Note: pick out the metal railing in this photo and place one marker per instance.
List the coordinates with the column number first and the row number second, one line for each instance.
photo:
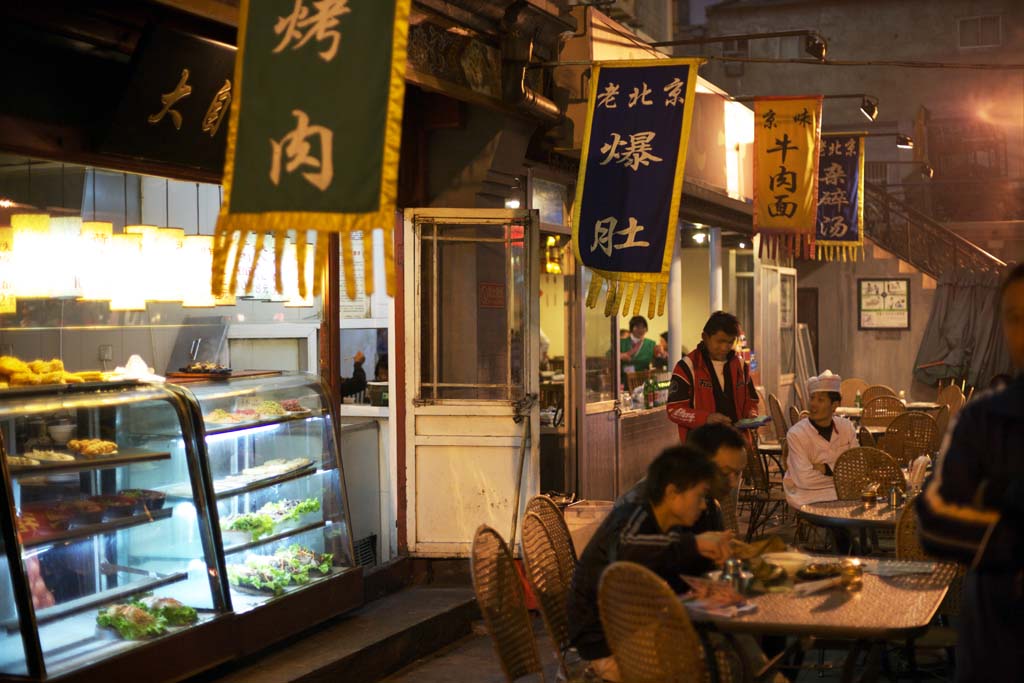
column 919, row 239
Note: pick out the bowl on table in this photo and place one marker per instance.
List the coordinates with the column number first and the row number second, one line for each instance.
column 792, row 562
column 61, row 433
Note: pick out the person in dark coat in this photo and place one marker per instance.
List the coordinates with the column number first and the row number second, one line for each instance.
column 972, row 510
column 655, row 532
column 350, row 386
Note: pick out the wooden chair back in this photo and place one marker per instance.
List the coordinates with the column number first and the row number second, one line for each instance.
column 881, row 411
column 952, row 397
column 499, row 594
column 549, row 585
column 558, row 531
column 849, row 388
column 874, row 391
column 857, row 468
column 911, row 435
column 647, row 627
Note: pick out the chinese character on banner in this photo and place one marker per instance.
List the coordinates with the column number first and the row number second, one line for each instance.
column 313, row 136
column 839, row 235
column 786, row 196
column 631, row 177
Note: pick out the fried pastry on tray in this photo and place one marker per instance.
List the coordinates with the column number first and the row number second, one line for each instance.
column 26, row 378
column 10, row 365
column 91, row 448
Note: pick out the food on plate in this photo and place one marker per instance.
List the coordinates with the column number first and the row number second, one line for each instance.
column 275, row 467
column 131, row 621
column 220, row 416
column 206, row 368
column 246, row 413
column 273, row 573
column 173, row 611
column 301, row 558
column 92, row 448
column 257, row 525
column 819, row 570
column 43, row 367
column 30, row 525
column 116, row 506
column 22, row 379
column 263, row 522
column 50, row 456
column 78, row 511
column 292, row 405
column 15, row 372
column 10, row 365
column 88, row 375
column 269, row 409
column 21, row 461
column 151, row 500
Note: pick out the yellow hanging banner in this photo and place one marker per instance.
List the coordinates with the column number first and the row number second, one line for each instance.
column 786, row 136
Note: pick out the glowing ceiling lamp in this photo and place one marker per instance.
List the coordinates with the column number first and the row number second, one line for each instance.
column 31, row 241
column 126, row 253
column 97, row 277
column 65, row 255
column 196, row 275
column 148, row 279
column 8, row 299
column 170, row 249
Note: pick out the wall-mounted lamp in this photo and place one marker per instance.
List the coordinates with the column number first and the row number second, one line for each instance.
column 814, row 43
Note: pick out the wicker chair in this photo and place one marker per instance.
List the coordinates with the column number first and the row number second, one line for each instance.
column 874, row 391
column 499, row 593
column 549, row 586
column 561, row 539
column 648, row 630
column 778, row 418
column 909, row 436
column 849, row 388
column 794, row 415
column 866, row 439
column 763, row 498
column 636, row 379
column 908, row 547
column 858, row 467
column 952, row 397
column 881, row 411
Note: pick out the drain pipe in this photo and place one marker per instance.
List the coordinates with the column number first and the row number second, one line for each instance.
column 516, row 52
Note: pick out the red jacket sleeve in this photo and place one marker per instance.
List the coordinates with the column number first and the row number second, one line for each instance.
column 751, row 405
column 681, row 409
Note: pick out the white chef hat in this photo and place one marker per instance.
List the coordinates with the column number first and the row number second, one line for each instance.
column 826, row 381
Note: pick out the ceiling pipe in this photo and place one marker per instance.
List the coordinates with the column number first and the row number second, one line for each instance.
column 517, row 40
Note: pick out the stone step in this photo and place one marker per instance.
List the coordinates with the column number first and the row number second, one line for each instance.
column 366, row 645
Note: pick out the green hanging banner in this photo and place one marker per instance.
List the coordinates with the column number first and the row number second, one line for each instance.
column 315, row 128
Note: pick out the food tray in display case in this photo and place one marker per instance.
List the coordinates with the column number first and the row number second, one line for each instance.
column 281, row 512
column 100, row 566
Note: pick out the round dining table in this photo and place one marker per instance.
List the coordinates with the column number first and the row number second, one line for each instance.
column 853, row 515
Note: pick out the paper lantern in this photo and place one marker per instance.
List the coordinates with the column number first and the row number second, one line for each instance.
column 31, row 233
column 170, row 250
column 65, row 253
column 8, row 299
column 94, row 271
column 126, row 257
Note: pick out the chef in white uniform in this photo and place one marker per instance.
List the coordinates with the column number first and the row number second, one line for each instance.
column 816, row 442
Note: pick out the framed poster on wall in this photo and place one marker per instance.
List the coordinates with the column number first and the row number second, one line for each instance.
column 883, row 304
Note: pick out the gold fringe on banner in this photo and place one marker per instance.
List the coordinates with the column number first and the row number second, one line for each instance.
column 623, row 295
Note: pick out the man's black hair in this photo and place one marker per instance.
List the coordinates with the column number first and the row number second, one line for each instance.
column 664, row 335
column 1015, row 274
column 721, row 321
column 637, row 320
column 710, row 437
column 683, row 466
column 835, row 397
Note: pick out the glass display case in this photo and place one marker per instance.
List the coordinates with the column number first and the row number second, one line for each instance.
column 272, row 459
column 99, row 558
column 207, row 519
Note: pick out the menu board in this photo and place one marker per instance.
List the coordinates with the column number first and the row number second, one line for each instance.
column 883, row 304
column 358, row 307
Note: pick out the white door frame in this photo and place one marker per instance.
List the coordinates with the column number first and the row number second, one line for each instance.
column 461, row 454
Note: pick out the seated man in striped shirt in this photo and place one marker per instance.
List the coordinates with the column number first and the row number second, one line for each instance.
column 652, row 531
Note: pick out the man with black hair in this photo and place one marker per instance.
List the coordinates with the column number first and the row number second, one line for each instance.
column 654, row 532
column 711, row 384
column 972, row 511
column 816, row 442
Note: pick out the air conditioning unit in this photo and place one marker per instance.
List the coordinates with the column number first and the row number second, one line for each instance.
column 623, row 11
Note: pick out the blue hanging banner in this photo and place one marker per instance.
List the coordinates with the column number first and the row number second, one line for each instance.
column 631, row 178
column 839, row 235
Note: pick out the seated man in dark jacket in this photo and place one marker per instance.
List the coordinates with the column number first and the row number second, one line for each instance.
column 972, row 510
column 653, row 532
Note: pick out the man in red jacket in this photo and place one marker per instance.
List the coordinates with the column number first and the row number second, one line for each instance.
column 711, row 384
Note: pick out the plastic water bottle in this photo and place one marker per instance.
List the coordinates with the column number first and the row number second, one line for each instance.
column 857, row 400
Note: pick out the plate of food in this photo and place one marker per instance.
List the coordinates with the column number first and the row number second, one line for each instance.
column 50, row 456
column 147, row 499
column 21, row 461
column 819, row 570
column 214, row 370
column 752, row 422
column 293, row 407
column 220, row 416
column 92, row 448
